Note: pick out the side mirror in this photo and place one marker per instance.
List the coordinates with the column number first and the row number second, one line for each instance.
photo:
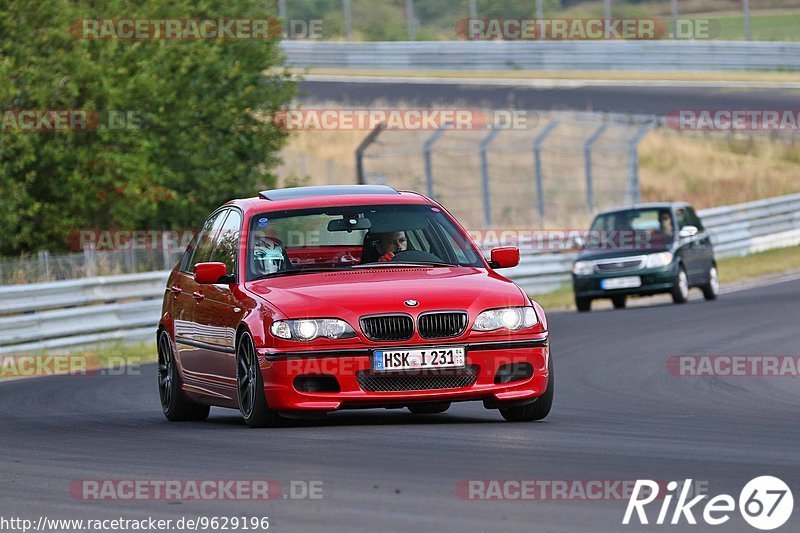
column 579, row 242
column 210, row 273
column 687, row 231
column 505, row 257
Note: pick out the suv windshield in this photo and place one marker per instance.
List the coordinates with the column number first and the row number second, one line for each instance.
column 346, row 237
column 644, row 228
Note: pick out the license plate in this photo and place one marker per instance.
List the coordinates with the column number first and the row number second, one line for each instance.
column 444, row 357
column 627, row 282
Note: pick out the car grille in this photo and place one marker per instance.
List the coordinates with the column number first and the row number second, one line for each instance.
column 388, row 327
column 619, row 265
column 446, row 378
column 441, row 325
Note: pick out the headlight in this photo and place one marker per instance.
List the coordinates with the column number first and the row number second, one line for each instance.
column 310, row 329
column 658, row 260
column 583, row 268
column 510, row 318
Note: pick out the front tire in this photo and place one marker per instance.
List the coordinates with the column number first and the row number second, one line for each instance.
column 537, row 410
column 584, row 305
column 711, row 289
column 680, row 290
column 175, row 406
column 250, row 386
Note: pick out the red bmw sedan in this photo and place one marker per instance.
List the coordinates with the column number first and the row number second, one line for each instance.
column 315, row 299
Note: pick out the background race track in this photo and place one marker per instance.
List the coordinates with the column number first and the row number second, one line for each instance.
column 616, row 97
column 618, row 415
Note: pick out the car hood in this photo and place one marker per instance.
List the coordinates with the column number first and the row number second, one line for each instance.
column 354, row 293
column 589, row 254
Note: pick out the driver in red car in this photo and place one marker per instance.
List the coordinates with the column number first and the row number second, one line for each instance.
column 388, row 244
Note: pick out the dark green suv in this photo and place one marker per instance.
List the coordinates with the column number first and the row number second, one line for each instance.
column 642, row 250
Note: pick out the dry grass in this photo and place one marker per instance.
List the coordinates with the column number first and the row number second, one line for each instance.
column 708, row 172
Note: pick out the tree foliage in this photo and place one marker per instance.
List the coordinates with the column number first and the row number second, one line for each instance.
column 199, row 136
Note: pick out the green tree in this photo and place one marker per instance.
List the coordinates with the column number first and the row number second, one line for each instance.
column 198, row 138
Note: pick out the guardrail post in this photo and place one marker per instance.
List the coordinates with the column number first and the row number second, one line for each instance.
column 369, row 139
column 427, row 149
column 632, row 192
column 348, row 19
column 487, row 198
column 587, row 161
column 537, row 163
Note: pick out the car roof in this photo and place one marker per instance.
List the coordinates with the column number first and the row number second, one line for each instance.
column 649, row 205
column 327, row 196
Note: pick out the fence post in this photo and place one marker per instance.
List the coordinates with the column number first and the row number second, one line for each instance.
column 369, row 139
column 487, row 198
column 348, row 19
column 587, row 161
column 674, row 9
column 412, row 30
column 537, row 162
column 748, row 33
column 632, row 192
column 427, row 149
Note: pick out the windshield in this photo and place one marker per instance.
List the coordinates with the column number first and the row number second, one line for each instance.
column 348, row 237
column 645, row 228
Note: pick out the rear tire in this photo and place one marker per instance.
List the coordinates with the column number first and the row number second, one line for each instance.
column 619, row 301
column 584, row 305
column 429, row 408
column 250, row 386
column 711, row 289
column 680, row 290
column 537, row 410
column 174, row 404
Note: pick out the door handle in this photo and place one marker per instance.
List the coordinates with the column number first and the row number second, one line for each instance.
column 176, row 290
column 197, row 295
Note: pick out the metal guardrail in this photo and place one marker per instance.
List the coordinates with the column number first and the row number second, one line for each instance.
column 46, row 316
column 545, row 55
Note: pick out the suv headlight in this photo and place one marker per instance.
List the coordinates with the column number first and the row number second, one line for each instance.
column 658, row 260
column 310, row 329
column 510, row 318
column 583, row 268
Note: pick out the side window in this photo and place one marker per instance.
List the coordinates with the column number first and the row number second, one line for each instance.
column 683, row 218
column 226, row 244
column 187, row 265
column 207, row 238
column 694, row 220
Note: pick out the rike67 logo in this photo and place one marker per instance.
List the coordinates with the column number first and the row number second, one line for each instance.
column 765, row 503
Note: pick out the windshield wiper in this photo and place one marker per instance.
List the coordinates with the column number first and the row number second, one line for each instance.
column 402, row 264
column 295, row 271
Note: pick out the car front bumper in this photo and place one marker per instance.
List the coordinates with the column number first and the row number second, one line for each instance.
column 482, row 359
column 654, row 281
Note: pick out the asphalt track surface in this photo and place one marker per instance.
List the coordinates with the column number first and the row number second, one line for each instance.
column 618, row 415
column 657, row 100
